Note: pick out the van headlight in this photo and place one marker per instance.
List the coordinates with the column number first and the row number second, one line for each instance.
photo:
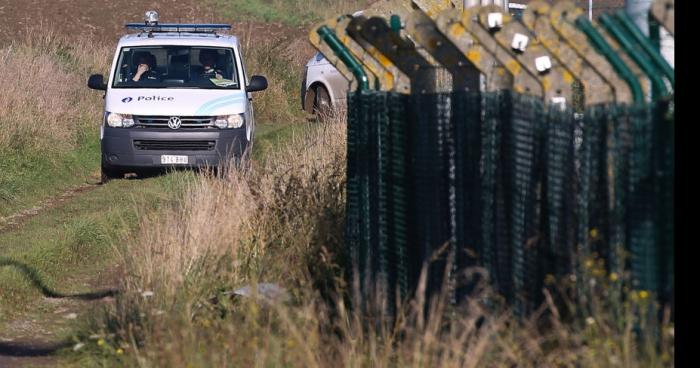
column 230, row 121
column 115, row 120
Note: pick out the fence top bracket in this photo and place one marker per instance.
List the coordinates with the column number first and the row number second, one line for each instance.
column 382, row 77
column 497, row 76
column 562, row 18
column 613, row 54
column 556, row 79
column 596, row 89
column 424, row 31
column 633, row 53
column 663, row 12
column 400, row 51
column 523, row 80
column 333, row 24
column 644, row 46
column 328, row 53
column 401, row 81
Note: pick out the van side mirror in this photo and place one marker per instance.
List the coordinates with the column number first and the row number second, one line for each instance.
column 96, row 81
column 257, row 83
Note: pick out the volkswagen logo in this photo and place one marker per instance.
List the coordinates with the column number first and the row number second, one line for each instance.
column 174, row 122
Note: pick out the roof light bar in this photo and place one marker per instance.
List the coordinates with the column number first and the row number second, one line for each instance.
column 151, row 25
column 177, row 27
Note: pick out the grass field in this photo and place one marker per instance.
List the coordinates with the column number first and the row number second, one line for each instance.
column 50, row 121
column 69, row 244
column 49, row 143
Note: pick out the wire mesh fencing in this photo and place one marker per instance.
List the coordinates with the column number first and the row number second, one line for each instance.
column 447, row 181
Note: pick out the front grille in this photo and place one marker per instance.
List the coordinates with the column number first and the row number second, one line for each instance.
column 154, row 145
column 188, row 122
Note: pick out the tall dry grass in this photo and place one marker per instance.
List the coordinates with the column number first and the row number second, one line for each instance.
column 281, row 59
column 45, row 104
column 283, row 223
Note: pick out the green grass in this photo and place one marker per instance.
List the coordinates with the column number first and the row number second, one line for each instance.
column 71, row 246
column 269, row 137
column 27, row 177
column 74, row 241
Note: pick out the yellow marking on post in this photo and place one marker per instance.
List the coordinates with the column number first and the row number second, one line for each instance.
column 513, row 67
column 546, row 83
column 501, row 72
column 384, row 61
column 389, row 78
column 474, row 56
column 457, row 31
column 568, row 78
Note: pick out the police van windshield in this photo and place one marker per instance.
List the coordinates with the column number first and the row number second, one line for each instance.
column 176, row 67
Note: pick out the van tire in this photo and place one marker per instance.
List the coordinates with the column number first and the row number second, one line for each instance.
column 322, row 105
column 109, row 174
column 310, row 100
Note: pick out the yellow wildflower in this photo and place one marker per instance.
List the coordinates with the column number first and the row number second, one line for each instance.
column 643, row 294
column 120, row 351
column 100, row 342
column 614, row 277
column 594, row 233
column 549, row 279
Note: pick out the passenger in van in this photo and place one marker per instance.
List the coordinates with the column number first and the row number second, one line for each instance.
column 146, row 67
column 208, row 60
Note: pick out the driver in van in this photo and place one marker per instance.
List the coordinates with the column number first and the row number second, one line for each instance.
column 146, row 67
column 208, row 60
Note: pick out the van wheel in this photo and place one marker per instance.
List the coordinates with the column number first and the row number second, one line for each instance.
column 109, row 174
column 322, row 105
column 310, row 100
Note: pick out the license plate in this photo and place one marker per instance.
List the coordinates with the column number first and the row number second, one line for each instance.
column 177, row 160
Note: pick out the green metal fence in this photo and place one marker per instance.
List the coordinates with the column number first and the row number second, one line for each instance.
column 440, row 182
column 498, row 180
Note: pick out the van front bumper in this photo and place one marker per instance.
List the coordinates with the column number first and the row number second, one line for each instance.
column 139, row 148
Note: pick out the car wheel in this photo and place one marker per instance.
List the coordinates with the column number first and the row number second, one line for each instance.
column 108, row 174
column 310, row 100
column 322, row 107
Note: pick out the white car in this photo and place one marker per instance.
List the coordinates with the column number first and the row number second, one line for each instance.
column 323, row 87
column 178, row 95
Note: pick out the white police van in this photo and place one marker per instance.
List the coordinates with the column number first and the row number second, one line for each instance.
column 177, row 96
